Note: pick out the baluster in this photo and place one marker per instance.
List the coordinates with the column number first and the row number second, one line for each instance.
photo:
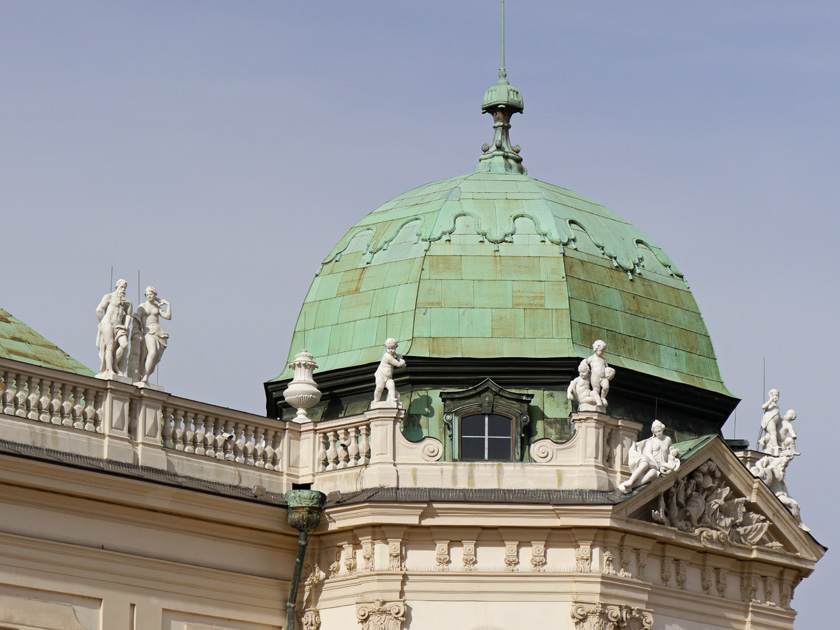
column 228, row 441
column 9, row 392
column 259, row 447
column 353, row 448
column 98, row 412
column 66, row 405
column 78, row 419
column 44, row 401
column 20, row 396
column 56, row 395
column 249, row 445
column 166, row 428
column 364, row 445
column 323, row 443
column 210, row 437
column 189, row 432
column 178, row 430
column 198, row 440
column 343, row 456
column 89, row 411
column 239, row 444
column 332, row 452
column 276, row 450
column 32, row 399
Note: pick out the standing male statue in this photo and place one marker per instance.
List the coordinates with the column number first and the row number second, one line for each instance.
column 114, row 314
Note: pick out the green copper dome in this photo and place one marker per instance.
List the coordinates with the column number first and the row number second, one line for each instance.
column 503, row 265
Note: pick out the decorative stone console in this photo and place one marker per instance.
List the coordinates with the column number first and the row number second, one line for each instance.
column 596, row 455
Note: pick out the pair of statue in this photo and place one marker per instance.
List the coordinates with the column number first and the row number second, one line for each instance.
column 776, row 435
column 589, row 390
column 148, row 338
column 777, row 438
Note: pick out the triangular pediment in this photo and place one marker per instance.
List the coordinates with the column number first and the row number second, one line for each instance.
column 714, row 501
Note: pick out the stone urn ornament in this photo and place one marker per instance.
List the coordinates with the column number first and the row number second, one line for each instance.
column 302, row 393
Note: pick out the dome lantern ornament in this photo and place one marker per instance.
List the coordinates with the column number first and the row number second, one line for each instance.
column 501, row 101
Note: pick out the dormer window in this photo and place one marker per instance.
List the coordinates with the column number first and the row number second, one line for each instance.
column 486, row 437
column 485, row 423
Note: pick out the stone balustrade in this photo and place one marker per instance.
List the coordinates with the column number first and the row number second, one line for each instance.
column 221, row 433
column 343, row 444
column 51, row 396
column 118, row 421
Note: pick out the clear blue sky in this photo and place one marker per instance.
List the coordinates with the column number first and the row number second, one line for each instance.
column 222, row 148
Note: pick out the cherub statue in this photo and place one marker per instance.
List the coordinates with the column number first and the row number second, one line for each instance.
column 114, row 314
column 650, row 458
column 579, row 390
column 786, row 433
column 769, row 435
column 600, row 373
column 385, row 373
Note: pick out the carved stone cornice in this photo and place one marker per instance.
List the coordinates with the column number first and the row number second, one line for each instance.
column 600, row 616
column 380, row 615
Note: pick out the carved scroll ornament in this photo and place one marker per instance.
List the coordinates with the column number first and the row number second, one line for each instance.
column 380, row 615
column 600, row 616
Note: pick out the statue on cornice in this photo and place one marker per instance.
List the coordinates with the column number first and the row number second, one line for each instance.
column 154, row 337
column 650, row 459
column 589, row 390
column 114, row 314
column 771, row 470
column 776, row 436
column 385, row 376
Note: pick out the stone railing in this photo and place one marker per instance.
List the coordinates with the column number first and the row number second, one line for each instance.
column 51, row 396
column 117, row 421
column 221, row 433
column 342, row 444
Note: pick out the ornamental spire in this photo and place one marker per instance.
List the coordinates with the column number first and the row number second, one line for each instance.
column 501, row 101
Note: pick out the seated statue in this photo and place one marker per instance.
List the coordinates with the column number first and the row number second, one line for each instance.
column 650, row 458
column 771, row 470
column 579, row 390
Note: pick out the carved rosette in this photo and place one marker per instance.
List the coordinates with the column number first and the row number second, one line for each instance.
column 368, row 555
column 512, row 556
column 380, row 615
column 395, row 556
column 599, row 616
column 538, row 557
column 442, row 559
column 583, row 559
column 469, row 556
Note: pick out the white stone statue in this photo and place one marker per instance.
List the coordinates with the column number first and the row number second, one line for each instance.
column 590, row 389
column 154, row 337
column 114, row 314
column 771, row 470
column 385, row 376
column 776, row 435
column 650, row 458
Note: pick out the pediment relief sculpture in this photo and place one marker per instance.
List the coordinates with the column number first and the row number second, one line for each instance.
column 703, row 503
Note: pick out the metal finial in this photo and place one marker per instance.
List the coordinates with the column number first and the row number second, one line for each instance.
column 502, row 72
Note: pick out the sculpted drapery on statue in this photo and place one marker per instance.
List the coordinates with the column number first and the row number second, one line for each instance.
column 590, row 389
column 650, row 458
column 114, row 314
column 777, row 438
column 151, row 336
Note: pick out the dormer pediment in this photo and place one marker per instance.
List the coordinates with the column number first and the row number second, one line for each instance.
column 713, row 501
